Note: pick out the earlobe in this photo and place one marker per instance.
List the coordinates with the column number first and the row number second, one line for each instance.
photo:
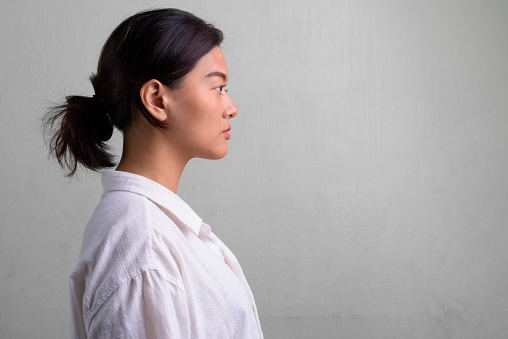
column 152, row 95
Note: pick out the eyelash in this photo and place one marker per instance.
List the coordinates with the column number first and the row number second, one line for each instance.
column 220, row 88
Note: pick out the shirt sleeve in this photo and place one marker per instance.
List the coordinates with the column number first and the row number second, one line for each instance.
column 147, row 306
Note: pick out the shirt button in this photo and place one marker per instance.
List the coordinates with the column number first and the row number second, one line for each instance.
column 205, row 229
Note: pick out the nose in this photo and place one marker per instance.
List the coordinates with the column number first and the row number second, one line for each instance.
column 230, row 111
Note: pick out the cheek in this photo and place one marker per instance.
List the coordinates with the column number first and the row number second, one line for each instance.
column 203, row 122
column 208, row 116
column 200, row 114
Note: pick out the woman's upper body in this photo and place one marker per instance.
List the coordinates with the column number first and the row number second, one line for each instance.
column 150, row 268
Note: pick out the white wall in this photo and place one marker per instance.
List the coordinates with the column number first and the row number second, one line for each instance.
column 366, row 188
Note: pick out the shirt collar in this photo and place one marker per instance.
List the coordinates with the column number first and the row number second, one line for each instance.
column 129, row 182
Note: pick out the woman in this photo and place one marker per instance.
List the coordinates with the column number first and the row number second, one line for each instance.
column 149, row 267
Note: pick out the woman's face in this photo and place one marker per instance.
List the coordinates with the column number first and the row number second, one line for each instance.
column 202, row 109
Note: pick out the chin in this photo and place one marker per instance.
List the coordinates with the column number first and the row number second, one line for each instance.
column 219, row 156
column 216, row 154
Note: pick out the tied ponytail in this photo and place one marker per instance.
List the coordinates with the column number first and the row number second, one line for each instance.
column 78, row 131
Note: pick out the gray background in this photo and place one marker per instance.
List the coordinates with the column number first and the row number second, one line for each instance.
column 366, row 188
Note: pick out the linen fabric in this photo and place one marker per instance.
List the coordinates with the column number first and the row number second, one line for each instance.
column 150, row 268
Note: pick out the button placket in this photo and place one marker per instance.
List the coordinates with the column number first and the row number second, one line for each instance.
column 206, row 231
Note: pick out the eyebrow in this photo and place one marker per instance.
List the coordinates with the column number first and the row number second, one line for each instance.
column 217, row 74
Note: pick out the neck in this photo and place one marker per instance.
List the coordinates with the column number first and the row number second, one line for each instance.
column 146, row 154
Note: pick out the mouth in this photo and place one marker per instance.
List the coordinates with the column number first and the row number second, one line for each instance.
column 226, row 132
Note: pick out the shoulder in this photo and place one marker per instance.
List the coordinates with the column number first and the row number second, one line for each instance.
column 122, row 230
column 120, row 219
column 116, row 241
column 119, row 246
column 128, row 234
column 120, row 207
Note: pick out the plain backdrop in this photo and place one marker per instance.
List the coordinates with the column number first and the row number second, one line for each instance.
column 365, row 192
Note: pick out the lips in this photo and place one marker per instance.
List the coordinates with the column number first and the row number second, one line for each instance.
column 226, row 132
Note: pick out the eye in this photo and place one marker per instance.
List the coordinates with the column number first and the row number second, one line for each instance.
column 221, row 89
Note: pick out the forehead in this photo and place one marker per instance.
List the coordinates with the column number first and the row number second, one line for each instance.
column 211, row 65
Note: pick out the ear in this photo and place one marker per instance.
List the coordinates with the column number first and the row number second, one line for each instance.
column 154, row 97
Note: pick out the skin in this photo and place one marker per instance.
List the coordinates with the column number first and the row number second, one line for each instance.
column 197, row 114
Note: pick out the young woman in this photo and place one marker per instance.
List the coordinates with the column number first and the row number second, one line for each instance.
column 149, row 267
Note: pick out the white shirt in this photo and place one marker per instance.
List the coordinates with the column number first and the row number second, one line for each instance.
column 150, row 268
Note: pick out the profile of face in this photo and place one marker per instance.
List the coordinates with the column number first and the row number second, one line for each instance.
column 199, row 109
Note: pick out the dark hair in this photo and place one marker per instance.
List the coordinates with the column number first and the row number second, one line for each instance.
column 163, row 44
